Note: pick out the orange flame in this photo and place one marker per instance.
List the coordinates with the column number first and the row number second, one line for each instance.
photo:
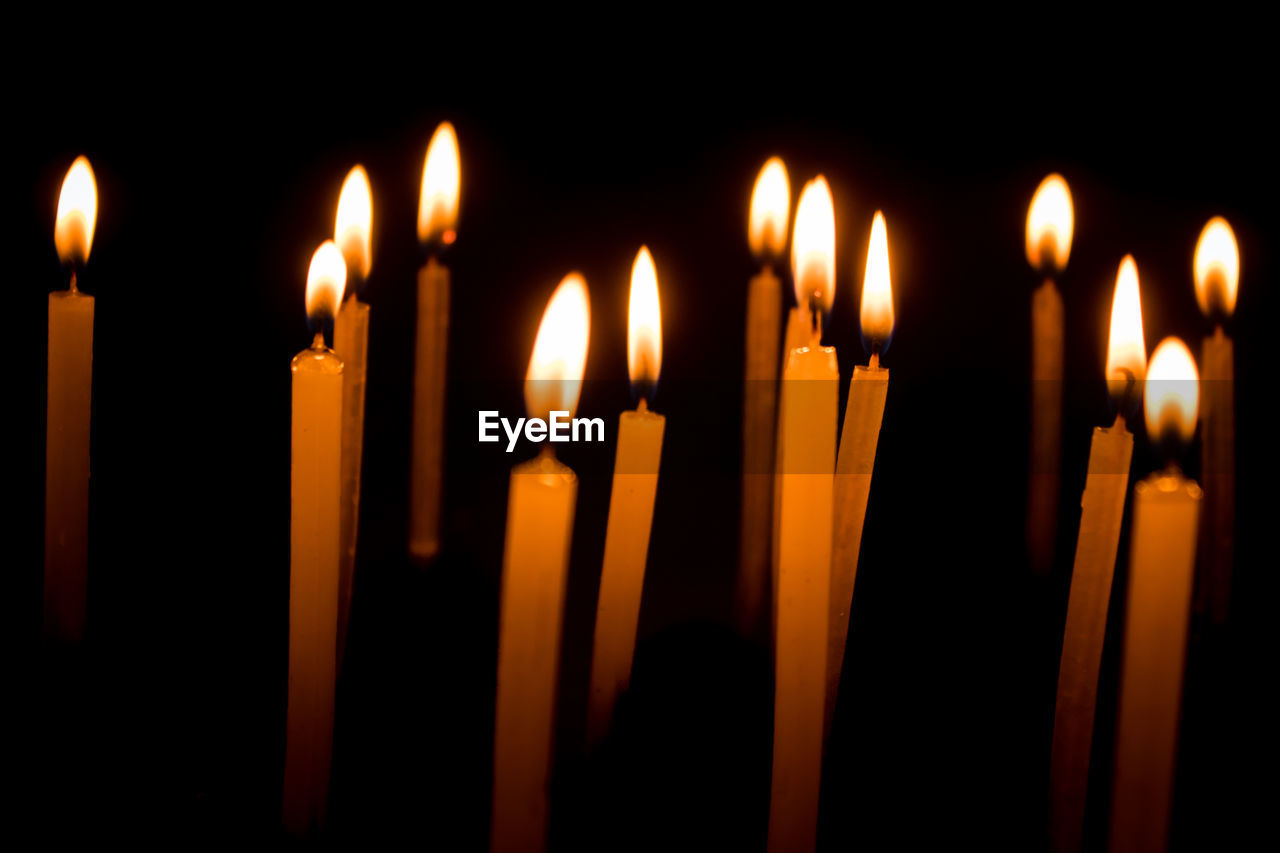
column 77, row 213
column 1050, row 223
column 554, row 379
column 1217, row 268
column 326, row 279
column 813, row 246
column 644, row 324
column 1126, row 346
column 877, row 294
column 351, row 228
column 441, row 175
column 770, row 204
column 1172, row 395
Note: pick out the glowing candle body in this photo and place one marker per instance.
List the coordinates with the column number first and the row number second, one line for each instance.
column 313, row 584
column 428, row 409
column 1046, row 423
column 759, row 421
column 351, row 343
column 1102, row 512
column 806, row 495
column 66, row 525
column 1157, row 613
column 1217, row 472
column 855, row 463
column 797, row 334
column 535, row 565
column 626, row 547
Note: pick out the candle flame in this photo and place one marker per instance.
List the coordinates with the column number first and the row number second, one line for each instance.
column 1217, row 268
column 77, row 213
column 877, row 294
column 1172, row 393
column 813, row 246
column 644, row 326
column 326, row 279
column 351, row 229
column 1050, row 222
column 1126, row 346
column 438, row 205
column 770, row 204
column 554, row 379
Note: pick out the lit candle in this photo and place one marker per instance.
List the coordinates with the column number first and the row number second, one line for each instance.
column 767, row 235
column 1157, row 613
column 313, row 553
column 635, row 483
column 351, row 232
column 857, row 458
column 1102, row 510
column 806, row 484
column 437, row 217
column 70, row 381
column 535, row 562
column 1217, row 276
column 1050, row 221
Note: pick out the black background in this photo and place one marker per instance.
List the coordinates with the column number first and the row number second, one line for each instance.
column 219, row 162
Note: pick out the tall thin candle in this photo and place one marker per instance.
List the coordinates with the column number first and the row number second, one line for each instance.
column 70, row 382
column 635, row 485
column 1217, row 277
column 315, row 512
column 1102, row 511
column 437, row 218
column 868, row 390
column 806, row 493
column 1157, row 613
column 767, row 236
column 535, row 563
column 352, row 229
column 1050, row 222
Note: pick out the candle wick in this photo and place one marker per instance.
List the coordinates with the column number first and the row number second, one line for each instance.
column 318, row 341
column 874, row 362
column 73, row 287
column 642, row 406
column 1130, row 386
